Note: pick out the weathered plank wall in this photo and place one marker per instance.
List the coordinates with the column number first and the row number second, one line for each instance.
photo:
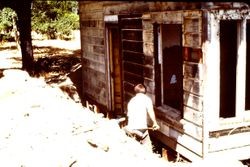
column 182, row 131
column 93, row 52
column 138, row 58
column 186, row 134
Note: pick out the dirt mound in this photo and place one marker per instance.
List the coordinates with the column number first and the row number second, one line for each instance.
column 42, row 126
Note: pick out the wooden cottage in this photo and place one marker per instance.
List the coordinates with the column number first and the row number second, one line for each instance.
column 194, row 59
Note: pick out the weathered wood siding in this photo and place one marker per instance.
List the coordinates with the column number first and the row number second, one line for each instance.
column 93, row 52
column 187, row 132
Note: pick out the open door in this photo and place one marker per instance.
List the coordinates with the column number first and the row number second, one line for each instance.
column 114, row 64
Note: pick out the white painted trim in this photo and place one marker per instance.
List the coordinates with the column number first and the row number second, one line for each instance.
column 241, row 69
column 111, row 19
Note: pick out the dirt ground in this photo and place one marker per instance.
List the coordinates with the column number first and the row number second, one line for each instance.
column 43, row 122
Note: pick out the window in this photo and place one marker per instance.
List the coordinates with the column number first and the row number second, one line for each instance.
column 170, row 60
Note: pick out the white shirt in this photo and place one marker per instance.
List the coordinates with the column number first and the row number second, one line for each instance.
column 138, row 107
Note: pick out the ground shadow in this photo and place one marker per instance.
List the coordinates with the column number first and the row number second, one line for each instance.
column 55, row 65
column 2, row 48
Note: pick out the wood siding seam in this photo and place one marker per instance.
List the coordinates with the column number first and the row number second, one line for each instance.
column 132, row 41
column 192, row 93
column 94, row 58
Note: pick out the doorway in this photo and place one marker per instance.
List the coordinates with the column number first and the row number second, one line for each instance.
column 114, row 71
column 228, row 57
column 172, row 65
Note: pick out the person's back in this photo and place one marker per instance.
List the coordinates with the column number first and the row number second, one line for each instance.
column 137, row 111
column 139, row 108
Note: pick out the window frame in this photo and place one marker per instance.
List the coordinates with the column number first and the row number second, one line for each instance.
column 242, row 116
column 161, row 104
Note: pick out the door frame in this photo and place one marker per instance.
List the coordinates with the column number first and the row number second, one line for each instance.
column 111, row 24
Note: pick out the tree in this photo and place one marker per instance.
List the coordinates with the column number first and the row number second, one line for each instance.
column 7, row 19
column 55, row 18
column 50, row 17
column 23, row 10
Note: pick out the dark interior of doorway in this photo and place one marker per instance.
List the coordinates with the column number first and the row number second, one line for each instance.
column 172, row 67
column 228, row 58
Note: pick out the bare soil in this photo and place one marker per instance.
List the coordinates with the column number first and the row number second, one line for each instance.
column 43, row 122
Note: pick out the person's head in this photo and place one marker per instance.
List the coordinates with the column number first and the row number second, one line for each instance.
column 140, row 88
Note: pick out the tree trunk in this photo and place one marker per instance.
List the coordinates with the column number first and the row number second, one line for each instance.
column 23, row 11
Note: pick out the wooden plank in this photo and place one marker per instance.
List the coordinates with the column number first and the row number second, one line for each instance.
column 193, row 70
column 97, row 66
column 192, row 130
column 127, row 97
column 129, row 87
column 193, row 86
column 169, row 115
column 229, row 142
column 91, row 6
column 192, row 27
column 88, row 73
column 131, row 23
column 184, row 127
column 181, row 138
column 132, row 78
column 132, row 35
column 148, row 36
column 148, row 60
column 92, row 40
column 150, row 84
column 94, row 49
column 192, row 13
column 240, row 153
column 176, row 146
column 133, row 68
column 172, row 17
column 92, row 15
column 211, row 52
column 157, row 17
column 93, row 56
column 147, row 25
column 98, row 49
column 193, row 116
column 92, row 23
column 192, row 40
column 135, row 46
column 193, row 101
column 93, row 32
column 192, row 55
column 229, row 131
column 111, row 19
column 229, row 14
column 148, row 72
column 135, row 57
column 148, row 48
